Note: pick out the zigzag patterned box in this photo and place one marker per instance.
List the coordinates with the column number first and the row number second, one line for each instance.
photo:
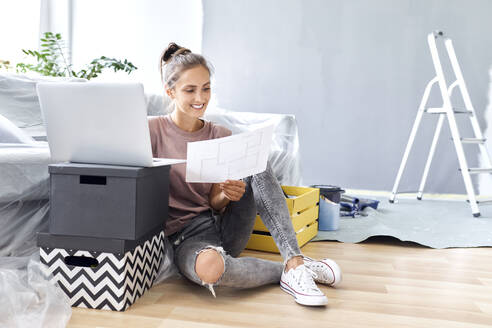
column 114, row 282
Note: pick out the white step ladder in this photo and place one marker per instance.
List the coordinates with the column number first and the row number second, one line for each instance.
column 447, row 110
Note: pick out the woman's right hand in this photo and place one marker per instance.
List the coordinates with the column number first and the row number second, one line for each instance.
column 233, row 189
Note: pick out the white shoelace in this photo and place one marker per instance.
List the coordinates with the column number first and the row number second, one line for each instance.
column 306, row 277
column 314, row 263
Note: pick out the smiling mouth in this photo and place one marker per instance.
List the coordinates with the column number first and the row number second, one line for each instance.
column 197, row 106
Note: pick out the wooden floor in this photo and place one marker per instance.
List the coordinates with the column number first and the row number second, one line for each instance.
column 386, row 283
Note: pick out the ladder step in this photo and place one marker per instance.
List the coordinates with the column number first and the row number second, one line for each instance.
column 482, row 201
column 473, row 140
column 479, row 170
column 441, row 110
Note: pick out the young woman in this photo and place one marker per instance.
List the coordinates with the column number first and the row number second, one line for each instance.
column 210, row 224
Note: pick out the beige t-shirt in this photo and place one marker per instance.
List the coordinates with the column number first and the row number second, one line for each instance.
column 186, row 200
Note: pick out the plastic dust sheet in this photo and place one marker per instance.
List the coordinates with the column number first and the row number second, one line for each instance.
column 28, row 298
column 24, row 196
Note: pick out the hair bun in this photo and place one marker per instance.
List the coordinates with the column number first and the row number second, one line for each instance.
column 173, row 50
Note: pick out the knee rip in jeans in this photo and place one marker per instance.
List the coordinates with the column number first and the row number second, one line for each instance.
column 221, row 252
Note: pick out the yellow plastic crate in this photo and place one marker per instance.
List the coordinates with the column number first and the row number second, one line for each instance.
column 303, row 211
column 305, row 198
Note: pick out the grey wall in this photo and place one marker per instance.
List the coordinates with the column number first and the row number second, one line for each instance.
column 353, row 72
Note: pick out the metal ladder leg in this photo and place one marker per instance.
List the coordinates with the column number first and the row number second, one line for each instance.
column 431, row 39
column 431, row 155
column 474, row 122
column 411, row 139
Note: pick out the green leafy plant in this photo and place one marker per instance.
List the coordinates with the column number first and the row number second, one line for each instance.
column 51, row 60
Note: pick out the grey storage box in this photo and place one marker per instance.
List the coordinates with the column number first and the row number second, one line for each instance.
column 102, row 273
column 107, row 201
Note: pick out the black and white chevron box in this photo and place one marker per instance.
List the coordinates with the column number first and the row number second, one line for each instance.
column 112, row 281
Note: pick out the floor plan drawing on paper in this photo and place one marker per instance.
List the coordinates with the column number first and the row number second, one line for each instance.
column 233, row 157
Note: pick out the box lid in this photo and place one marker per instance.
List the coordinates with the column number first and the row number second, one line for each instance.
column 92, row 244
column 104, row 170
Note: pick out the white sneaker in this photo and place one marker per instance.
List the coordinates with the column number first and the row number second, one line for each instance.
column 299, row 283
column 326, row 270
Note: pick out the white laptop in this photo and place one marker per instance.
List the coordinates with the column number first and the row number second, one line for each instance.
column 99, row 123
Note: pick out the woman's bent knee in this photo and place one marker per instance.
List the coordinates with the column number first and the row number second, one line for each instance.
column 209, row 266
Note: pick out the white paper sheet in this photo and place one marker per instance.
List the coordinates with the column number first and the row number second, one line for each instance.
column 232, row 158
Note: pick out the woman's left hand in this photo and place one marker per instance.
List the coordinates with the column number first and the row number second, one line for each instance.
column 233, row 189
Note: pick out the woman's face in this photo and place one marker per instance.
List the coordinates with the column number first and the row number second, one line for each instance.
column 191, row 92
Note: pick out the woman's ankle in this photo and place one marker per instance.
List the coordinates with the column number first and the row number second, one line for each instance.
column 294, row 262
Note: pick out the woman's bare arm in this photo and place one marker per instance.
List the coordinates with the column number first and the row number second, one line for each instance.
column 217, row 198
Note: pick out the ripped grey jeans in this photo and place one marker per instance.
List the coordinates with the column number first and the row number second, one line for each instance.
column 230, row 232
